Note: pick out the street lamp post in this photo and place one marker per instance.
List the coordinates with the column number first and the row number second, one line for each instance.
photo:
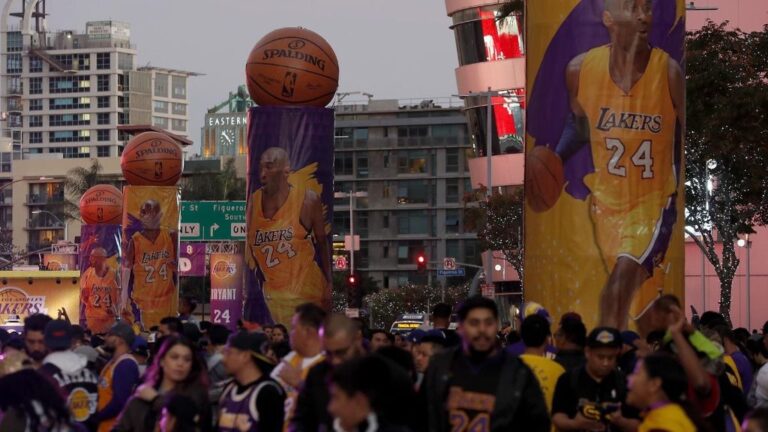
column 66, row 237
column 745, row 243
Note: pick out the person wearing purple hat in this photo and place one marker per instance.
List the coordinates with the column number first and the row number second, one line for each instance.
column 70, row 371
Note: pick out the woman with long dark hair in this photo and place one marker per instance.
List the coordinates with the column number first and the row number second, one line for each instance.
column 176, row 370
column 658, row 386
column 30, row 402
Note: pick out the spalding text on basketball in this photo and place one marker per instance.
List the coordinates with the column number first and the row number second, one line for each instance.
column 298, row 55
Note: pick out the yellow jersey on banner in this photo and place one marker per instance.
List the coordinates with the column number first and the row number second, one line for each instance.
column 631, row 134
column 284, row 251
column 100, row 295
column 153, row 262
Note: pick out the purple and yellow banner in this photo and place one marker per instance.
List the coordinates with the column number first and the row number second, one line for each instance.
column 289, row 213
column 192, row 259
column 150, row 241
column 604, row 152
column 60, row 261
column 23, row 293
column 99, row 276
column 226, row 289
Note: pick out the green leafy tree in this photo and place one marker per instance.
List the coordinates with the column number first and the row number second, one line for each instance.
column 726, row 155
column 386, row 305
column 223, row 185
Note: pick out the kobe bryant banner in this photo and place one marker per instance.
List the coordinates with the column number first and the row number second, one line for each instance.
column 149, row 275
column 226, row 289
column 99, row 276
column 290, row 196
column 603, row 172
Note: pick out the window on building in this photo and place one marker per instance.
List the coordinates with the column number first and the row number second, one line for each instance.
column 471, row 251
column 69, row 136
column 69, row 84
column 102, row 135
column 69, row 120
column 341, row 223
column 412, row 222
column 452, row 249
column 180, row 109
column 179, row 125
column 385, row 252
column 102, row 151
column 69, row 103
column 35, row 64
column 408, row 136
column 72, row 152
column 452, row 160
column 412, row 162
column 360, row 134
column 36, row 85
column 452, row 190
column 14, row 64
column 362, row 166
column 35, row 137
column 35, row 121
column 161, row 107
column 343, row 163
column 123, row 83
column 161, row 85
column 102, row 83
column 160, row 122
column 82, row 61
column 35, row 104
column 452, row 222
column 385, row 221
column 124, row 61
column 103, row 102
column 102, row 61
column 413, row 192
column 179, row 86
column 407, row 251
column 14, row 41
column 102, row 118
column 123, row 101
column 123, row 118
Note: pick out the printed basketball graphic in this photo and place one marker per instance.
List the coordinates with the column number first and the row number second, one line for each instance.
column 102, row 204
column 292, row 66
column 151, row 159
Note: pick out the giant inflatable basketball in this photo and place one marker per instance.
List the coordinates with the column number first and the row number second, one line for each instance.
column 292, row 66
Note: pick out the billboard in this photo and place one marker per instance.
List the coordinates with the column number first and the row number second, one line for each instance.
column 150, row 241
column 99, row 276
column 226, row 289
column 23, row 293
column 604, row 185
column 288, row 217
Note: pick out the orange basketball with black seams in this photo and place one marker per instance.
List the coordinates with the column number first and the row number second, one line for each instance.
column 102, row 204
column 544, row 178
column 292, row 66
column 151, row 159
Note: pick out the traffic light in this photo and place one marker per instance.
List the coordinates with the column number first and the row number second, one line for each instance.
column 421, row 263
column 352, row 280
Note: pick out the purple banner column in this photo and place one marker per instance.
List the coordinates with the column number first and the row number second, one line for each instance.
column 289, row 213
column 226, row 289
column 192, row 259
column 99, row 276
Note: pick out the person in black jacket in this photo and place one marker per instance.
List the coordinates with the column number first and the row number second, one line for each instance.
column 477, row 386
column 341, row 342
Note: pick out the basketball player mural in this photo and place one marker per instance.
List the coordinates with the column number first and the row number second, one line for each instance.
column 287, row 230
column 626, row 106
column 99, row 292
column 150, row 262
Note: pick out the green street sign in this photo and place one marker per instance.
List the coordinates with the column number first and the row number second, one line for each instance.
column 212, row 220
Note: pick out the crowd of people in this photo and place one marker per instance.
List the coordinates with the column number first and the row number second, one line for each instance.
column 331, row 373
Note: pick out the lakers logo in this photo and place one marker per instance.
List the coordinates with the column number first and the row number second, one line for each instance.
column 81, row 404
column 224, row 269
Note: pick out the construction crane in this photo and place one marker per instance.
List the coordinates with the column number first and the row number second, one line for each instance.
column 239, row 101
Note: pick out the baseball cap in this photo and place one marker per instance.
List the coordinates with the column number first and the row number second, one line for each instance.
column 604, row 337
column 415, row 336
column 255, row 343
column 58, row 335
column 533, row 308
column 140, row 346
column 434, row 336
column 124, row 332
column 629, row 337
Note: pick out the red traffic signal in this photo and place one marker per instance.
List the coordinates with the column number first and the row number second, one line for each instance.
column 421, row 263
column 352, row 279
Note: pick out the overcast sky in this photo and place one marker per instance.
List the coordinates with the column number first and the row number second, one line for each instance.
column 391, row 48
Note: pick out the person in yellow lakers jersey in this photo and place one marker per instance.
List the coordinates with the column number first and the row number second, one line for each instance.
column 151, row 259
column 99, row 292
column 285, row 231
column 627, row 103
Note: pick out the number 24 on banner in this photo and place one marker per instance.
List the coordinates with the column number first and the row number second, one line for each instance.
column 221, row 316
